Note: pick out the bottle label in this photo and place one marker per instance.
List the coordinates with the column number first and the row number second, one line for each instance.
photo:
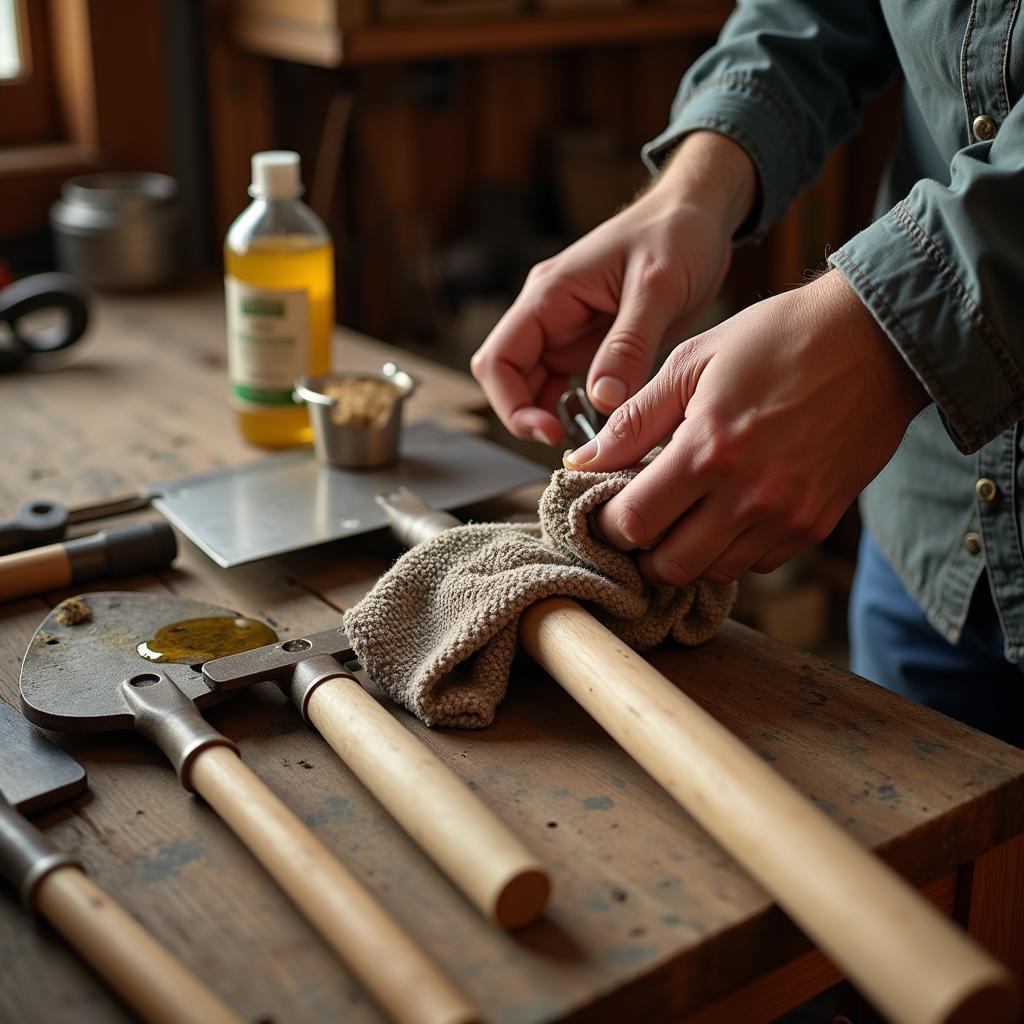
column 268, row 342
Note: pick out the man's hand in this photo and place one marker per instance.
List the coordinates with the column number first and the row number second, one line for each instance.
column 620, row 293
column 779, row 417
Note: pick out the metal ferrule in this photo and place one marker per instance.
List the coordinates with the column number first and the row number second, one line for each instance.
column 87, row 557
column 308, row 675
column 26, row 855
column 412, row 521
column 166, row 716
column 124, row 551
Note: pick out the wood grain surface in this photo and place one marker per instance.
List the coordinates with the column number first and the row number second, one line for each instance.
column 649, row 920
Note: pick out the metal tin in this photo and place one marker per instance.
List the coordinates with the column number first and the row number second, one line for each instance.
column 354, row 447
column 119, row 230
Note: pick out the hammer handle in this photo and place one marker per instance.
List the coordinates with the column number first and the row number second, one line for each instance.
column 467, row 841
column 121, row 551
column 401, row 977
column 158, row 987
column 34, row 571
column 909, row 959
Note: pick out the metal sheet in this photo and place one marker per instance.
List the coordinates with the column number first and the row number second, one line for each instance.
column 71, row 676
column 34, row 774
column 289, row 502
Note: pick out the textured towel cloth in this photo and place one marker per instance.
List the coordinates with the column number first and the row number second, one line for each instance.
column 459, row 596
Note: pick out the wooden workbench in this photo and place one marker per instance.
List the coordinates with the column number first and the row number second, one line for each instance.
column 650, row 921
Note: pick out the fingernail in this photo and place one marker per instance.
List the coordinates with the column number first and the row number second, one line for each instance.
column 628, row 535
column 609, row 392
column 581, row 456
column 540, row 437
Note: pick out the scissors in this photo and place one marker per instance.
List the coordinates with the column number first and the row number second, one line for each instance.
column 58, row 292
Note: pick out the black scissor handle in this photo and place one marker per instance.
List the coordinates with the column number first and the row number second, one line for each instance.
column 35, row 523
column 41, row 291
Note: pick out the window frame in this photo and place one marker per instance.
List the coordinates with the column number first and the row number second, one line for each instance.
column 30, row 102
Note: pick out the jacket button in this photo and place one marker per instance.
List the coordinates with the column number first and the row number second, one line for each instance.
column 984, row 128
column 972, row 542
column 986, row 490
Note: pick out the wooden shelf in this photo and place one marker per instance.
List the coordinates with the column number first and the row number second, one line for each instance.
column 334, row 45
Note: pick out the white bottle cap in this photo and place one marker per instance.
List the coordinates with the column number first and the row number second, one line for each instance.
column 275, row 175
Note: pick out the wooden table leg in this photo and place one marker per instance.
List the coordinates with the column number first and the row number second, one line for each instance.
column 995, row 910
column 791, row 985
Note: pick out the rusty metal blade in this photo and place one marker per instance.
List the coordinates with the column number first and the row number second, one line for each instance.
column 71, row 675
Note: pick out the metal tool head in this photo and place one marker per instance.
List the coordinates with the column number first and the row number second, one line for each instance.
column 34, row 774
column 298, row 665
column 72, row 673
column 580, row 420
column 277, row 661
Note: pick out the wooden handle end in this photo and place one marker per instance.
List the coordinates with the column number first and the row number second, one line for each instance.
column 522, row 899
column 994, row 999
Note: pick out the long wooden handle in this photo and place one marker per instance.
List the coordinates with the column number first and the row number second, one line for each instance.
column 466, row 840
column 909, row 959
column 31, row 572
column 153, row 983
column 399, row 974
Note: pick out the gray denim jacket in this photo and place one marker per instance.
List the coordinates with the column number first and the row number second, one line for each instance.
column 942, row 270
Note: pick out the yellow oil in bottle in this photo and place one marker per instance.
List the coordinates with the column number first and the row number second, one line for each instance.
column 288, row 262
column 279, row 290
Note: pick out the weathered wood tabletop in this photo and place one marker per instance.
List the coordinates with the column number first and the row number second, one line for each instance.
column 650, row 919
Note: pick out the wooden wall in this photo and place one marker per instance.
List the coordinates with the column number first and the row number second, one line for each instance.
column 423, row 136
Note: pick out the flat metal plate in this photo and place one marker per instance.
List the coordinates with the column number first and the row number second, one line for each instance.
column 34, row 774
column 288, row 502
column 71, row 676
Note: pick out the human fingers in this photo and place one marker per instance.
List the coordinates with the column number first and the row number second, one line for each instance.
column 661, row 493
column 503, row 366
column 740, row 555
column 792, row 545
column 647, row 308
column 643, row 421
column 691, row 546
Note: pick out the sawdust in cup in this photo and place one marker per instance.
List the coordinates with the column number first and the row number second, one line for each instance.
column 362, row 401
column 356, row 417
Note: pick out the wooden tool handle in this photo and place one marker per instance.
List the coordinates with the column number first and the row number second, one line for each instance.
column 398, row 973
column 31, row 572
column 465, row 839
column 152, row 982
column 909, row 959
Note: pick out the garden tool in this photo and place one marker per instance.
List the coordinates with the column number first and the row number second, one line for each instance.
column 93, row 675
column 35, row 776
column 910, row 960
column 320, row 674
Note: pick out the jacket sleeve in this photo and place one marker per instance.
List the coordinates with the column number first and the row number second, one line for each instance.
column 943, row 274
column 786, row 81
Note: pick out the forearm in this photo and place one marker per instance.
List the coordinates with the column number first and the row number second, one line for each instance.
column 713, row 172
column 786, row 81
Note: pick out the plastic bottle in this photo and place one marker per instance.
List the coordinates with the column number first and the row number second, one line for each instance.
column 279, row 286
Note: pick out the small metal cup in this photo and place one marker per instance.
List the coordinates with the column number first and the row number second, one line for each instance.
column 354, row 447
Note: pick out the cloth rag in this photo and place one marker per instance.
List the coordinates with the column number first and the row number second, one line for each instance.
column 438, row 631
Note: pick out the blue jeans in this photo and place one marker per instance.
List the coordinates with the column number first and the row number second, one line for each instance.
column 892, row 643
